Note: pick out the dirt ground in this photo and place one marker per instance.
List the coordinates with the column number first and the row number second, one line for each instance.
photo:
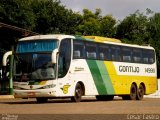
column 146, row 109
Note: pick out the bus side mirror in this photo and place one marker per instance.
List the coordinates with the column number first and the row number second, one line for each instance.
column 54, row 56
column 5, row 56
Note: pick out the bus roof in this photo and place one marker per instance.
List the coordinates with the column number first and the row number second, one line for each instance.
column 51, row 36
column 102, row 39
column 114, row 41
column 87, row 38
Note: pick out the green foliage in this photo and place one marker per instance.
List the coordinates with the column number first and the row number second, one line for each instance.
column 49, row 16
column 107, row 26
column 95, row 24
column 17, row 12
column 134, row 28
column 42, row 16
column 89, row 24
column 141, row 29
column 154, row 28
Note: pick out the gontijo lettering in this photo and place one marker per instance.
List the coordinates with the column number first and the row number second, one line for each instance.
column 129, row 69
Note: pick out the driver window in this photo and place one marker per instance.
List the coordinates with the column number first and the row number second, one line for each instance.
column 64, row 57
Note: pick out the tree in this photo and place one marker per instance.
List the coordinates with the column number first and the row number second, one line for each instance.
column 44, row 12
column 89, row 24
column 72, row 20
column 133, row 29
column 107, row 26
column 17, row 12
column 95, row 24
column 154, row 28
column 51, row 17
column 42, row 16
column 141, row 29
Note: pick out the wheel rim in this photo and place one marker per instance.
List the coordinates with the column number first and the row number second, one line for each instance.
column 133, row 93
column 78, row 93
column 140, row 92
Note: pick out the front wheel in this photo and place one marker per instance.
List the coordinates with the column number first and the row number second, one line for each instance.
column 78, row 93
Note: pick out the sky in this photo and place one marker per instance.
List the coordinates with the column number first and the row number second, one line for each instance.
column 119, row 9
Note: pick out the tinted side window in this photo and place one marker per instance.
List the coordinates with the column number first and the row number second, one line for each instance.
column 78, row 49
column 91, row 50
column 64, row 57
column 104, row 52
column 137, row 55
column 126, row 54
column 148, row 56
column 116, row 53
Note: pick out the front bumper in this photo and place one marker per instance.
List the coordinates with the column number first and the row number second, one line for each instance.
column 34, row 93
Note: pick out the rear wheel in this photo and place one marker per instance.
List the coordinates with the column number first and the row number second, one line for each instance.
column 133, row 93
column 140, row 92
column 78, row 93
column 41, row 100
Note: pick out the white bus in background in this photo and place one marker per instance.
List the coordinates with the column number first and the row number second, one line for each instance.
column 66, row 66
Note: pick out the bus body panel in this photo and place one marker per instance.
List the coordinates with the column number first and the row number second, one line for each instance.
column 80, row 72
column 99, row 77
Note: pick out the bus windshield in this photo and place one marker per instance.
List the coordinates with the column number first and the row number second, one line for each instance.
column 35, row 66
column 33, row 61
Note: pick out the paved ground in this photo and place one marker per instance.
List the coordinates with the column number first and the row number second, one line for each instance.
column 88, row 108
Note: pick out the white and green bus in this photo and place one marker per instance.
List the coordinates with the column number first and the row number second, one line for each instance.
column 66, row 66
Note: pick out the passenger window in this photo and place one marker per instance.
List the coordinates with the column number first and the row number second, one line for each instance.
column 126, row 54
column 91, row 51
column 115, row 53
column 104, row 52
column 137, row 54
column 78, row 50
column 148, row 57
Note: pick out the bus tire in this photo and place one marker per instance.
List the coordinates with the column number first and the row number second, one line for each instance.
column 77, row 94
column 140, row 92
column 41, row 100
column 133, row 92
column 132, row 95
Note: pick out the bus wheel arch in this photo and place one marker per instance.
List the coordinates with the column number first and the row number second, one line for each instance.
column 141, row 91
column 83, row 88
column 78, row 92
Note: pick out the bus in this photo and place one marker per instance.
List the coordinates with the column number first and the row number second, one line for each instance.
column 67, row 66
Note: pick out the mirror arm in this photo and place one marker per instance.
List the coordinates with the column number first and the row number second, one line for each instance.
column 5, row 56
column 54, row 56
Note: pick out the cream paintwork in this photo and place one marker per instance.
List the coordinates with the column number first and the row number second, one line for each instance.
column 74, row 76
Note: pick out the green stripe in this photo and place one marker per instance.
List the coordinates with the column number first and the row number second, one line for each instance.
column 105, row 77
column 96, row 74
column 101, row 77
column 77, row 37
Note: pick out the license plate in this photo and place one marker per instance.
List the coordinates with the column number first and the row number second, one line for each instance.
column 31, row 94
